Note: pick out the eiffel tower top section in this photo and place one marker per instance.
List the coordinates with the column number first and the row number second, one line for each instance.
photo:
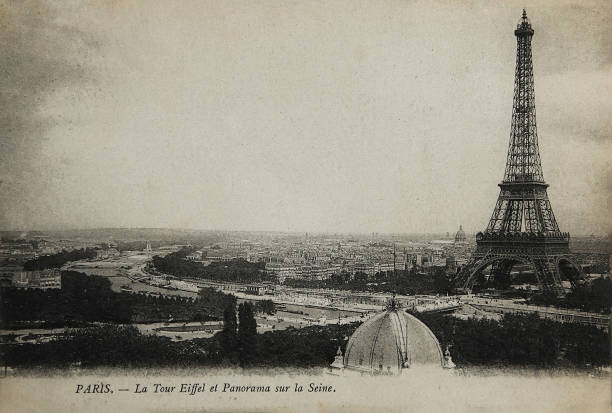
column 523, row 28
column 523, row 164
column 523, row 207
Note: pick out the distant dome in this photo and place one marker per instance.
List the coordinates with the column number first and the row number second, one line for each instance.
column 390, row 341
column 460, row 235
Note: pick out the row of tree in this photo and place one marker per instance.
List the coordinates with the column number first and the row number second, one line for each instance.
column 237, row 270
column 433, row 280
column 57, row 260
column 85, row 299
column 238, row 337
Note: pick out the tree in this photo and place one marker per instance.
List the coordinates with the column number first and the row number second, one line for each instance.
column 266, row 306
column 361, row 277
column 247, row 332
column 228, row 335
column 59, row 259
column 442, row 283
column 236, row 270
column 595, row 296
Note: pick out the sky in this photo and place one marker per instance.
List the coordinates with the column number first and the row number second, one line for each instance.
column 341, row 116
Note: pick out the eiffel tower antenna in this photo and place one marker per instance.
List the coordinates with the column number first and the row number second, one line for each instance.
column 523, row 228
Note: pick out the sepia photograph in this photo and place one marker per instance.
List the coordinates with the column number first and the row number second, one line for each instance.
column 287, row 206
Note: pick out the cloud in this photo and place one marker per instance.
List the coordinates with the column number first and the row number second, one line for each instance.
column 576, row 104
column 37, row 58
column 292, row 116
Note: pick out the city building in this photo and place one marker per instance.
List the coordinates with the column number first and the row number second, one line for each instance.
column 44, row 279
column 8, row 272
column 103, row 254
column 451, row 265
column 460, row 236
column 196, row 256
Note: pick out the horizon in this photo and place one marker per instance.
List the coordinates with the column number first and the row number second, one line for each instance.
column 313, row 233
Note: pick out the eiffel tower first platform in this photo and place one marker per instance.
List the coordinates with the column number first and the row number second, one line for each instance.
column 522, row 229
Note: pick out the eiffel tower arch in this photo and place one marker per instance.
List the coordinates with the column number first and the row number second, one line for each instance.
column 549, row 259
column 523, row 228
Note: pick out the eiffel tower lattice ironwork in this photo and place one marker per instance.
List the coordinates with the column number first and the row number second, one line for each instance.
column 523, row 228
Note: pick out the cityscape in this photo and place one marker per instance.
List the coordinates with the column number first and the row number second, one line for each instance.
column 321, row 275
column 376, row 249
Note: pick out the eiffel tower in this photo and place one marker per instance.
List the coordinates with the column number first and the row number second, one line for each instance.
column 523, row 229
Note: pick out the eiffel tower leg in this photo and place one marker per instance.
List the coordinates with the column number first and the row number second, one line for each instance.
column 501, row 272
column 469, row 273
column 545, row 268
column 547, row 274
column 500, row 269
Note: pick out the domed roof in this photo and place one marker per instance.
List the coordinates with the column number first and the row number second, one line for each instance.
column 460, row 235
column 389, row 341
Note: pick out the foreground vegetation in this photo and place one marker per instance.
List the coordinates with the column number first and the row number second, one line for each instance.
column 517, row 340
column 125, row 346
column 84, row 299
column 594, row 296
column 522, row 340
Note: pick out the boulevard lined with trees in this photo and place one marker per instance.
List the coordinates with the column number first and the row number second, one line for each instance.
column 433, row 281
column 57, row 260
column 237, row 270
